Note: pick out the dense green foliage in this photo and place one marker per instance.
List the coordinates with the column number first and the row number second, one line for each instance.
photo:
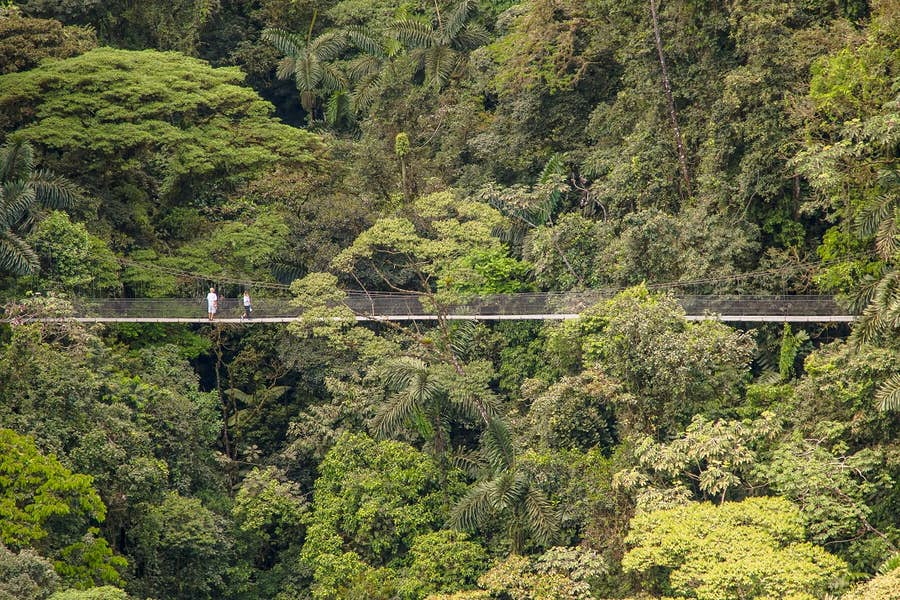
column 449, row 149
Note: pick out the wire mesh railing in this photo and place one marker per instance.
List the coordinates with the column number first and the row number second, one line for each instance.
column 386, row 306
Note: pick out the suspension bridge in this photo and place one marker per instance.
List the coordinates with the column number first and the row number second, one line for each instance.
column 397, row 306
column 542, row 306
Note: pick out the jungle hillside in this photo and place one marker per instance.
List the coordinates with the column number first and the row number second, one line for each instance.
column 309, row 151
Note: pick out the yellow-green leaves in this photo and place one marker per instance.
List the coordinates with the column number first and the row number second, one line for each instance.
column 749, row 549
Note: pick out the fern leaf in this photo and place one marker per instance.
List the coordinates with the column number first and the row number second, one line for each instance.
column 289, row 44
column 413, row 33
column 16, row 256
column 888, row 394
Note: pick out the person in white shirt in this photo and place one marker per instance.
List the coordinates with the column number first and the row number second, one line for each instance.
column 247, row 308
column 212, row 303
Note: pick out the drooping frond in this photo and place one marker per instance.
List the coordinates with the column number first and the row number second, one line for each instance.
column 363, row 66
column 16, row 199
column 365, row 93
column 467, row 462
column 888, row 394
column 16, row 160
column 364, row 40
column 440, row 62
column 53, row 191
column 462, row 338
column 865, row 290
column 496, row 443
column 472, row 36
column 333, row 79
column 413, row 33
column 329, row 46
column 308, row 73
column 286, row 67
column 16, row 256
column 391, row 416
column 541, row 518
column 883, row 312
column 289, row 44
column 475, row 507
column 887, row 238
column 873, row 213
column 553, row 170
column 337, row 107
column 397, row 374
column 456, row 19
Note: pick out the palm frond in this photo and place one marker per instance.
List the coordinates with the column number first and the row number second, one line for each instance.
column 286, row 42
column 308, row 74
column 871, row 215
column 440, row 62
column 365, row 93
column 475, row 507
column 16, row 256
column 329, row 46
column 496, row 443
column 398, row 373
column 286, row 67
column 887, row 238
column 16, row 199
column 53, row 191
column 553, row 170
column 16, row 160
column 333, row 79
column 865, row 290
column 888, row 394
column 413, row 33
column 393, row 414
column 472, row 36
column 467, row 462
column 462, row 338
column 363, row 66
column 541, row 518
column 337, row 107
column 456, row 19
column 363, row 39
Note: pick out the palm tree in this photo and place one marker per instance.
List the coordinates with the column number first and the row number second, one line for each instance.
column 423, row 398
column 880, row 294
column 366, row 70
column 309, row 62
column 22, row 188
column 440, row 47
column 509, row 493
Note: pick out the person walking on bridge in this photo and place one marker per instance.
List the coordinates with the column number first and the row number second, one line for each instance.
column 212, row 303
column 247, row 308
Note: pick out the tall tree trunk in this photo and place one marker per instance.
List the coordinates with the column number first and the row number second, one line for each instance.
column 679, row 143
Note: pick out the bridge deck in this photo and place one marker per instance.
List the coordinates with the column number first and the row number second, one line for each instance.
column 408, row 307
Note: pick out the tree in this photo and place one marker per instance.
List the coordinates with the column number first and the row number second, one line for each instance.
column 25, row 42
column 440, row 46
column 426, row 398
column 71, row 257
column 35, row 489
column 370, row 502
column 22, row 189
column 25, row 575
column 508, row 494
column 441, row 561
column 172, row 130
column 669, row 369
column 181, row 546
column 749, row 549
column 309, row 62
